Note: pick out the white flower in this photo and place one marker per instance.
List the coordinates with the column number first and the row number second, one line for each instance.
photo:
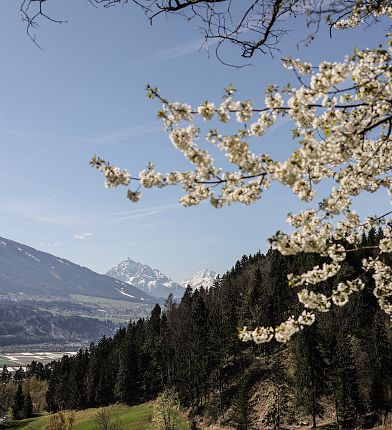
column 342, row 148
column 206, row 110
column 244, row 110
column 306, row 318
column 262, row 334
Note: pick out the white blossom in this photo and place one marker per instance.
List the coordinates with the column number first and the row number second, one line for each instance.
column 342, row 119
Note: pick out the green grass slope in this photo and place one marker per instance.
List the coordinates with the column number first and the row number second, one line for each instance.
column 135, row 418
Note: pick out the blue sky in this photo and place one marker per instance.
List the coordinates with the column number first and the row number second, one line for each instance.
column 84, row 94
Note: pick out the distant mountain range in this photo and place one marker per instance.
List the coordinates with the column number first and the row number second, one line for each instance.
column 25, row 270
column 154, row 282
column 204, row 278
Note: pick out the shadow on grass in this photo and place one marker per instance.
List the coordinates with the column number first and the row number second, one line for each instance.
column 16, row 424
column 10, row 425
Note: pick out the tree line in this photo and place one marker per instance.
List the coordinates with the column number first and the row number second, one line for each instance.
column 192, row 347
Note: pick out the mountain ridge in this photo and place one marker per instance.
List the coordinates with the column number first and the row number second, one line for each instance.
column 26, row 270
column 203, row 278
column 151, row 281
column 156, row 283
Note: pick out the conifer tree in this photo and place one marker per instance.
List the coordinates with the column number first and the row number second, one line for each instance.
column 77, row 380
column 121, row 387
column 381, row 352
column 279, row 409
column 243, row 412
column 27, row 406
column 19, row 375
column 153, row 351
column 5, row 375
column 308, row 372
column 18, row 404
column 253, row 308
column 50, row 393
column 198, row 363
column 348, row 402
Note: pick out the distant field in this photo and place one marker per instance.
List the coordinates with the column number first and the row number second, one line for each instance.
column 135, row 418
column 24, row 358
column 108, row 302
column 7, row 361
column 117, row 311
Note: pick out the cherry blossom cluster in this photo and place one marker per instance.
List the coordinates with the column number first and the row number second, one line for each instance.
column 383, row 279
column 342, row 117
column 362, row 10
column 113, row 175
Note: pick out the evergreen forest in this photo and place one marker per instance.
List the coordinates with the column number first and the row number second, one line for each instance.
column 339, row 367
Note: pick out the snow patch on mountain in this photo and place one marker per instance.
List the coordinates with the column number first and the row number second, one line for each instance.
column 121, row 291
column 31, row 256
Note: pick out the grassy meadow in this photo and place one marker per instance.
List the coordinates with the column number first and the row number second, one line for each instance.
column 131, row 417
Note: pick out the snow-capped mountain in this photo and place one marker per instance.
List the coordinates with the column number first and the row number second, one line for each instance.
column 204, row 278
column 145, row 278
column 25, row 270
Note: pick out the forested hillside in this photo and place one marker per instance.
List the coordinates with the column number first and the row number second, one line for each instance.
column 341, row 365
column 29, row 325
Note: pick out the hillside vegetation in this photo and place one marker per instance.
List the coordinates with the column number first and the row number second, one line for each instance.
column 340, row 368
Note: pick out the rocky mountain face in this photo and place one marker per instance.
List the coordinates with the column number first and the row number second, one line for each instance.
column 145, row 278
column 204, row 278
column 25, row 270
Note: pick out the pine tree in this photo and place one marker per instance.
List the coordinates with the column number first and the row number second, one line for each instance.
column 50, row 394
column 243, row 412
column 381, row 350
column 280, row 394
column 153, row 353
column 121, row 387
column 308, row 372
column 18, row 404
column 5, row 375
column 77, row 380
column 19, row 375
column 345, row 384
column 198, row 359
column 27, row 406
column 252, row 311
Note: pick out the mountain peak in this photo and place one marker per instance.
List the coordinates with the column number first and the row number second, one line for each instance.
column 203, row 278
column 151, row 281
